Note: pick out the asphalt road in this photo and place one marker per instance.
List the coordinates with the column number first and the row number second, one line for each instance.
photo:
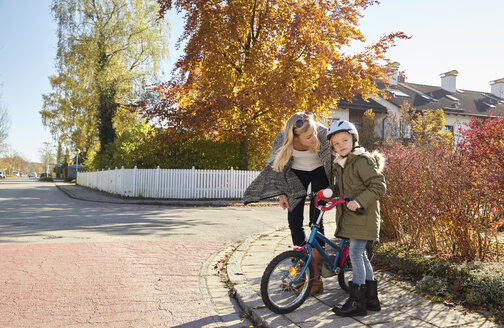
column 71, row 263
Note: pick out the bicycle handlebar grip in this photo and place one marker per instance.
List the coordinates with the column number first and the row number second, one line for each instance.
column 360, row 210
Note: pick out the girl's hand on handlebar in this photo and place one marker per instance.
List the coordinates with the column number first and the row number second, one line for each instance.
column 284, row 203
column 352, row 205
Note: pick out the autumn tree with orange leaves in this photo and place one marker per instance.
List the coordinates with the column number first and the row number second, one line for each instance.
column 250, row 64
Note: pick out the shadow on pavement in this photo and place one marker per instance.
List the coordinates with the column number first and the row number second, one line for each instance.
column 28, row 214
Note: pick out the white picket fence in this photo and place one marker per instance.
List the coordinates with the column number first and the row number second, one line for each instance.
column 169, row 183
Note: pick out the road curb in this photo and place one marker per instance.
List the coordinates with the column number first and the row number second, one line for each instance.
column 224, row 307
column 249, row 300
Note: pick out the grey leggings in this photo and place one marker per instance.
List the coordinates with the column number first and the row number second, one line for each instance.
column 361, row 267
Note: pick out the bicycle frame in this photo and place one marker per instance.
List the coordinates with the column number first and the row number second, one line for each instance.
column 312, row 239
column 313, row 242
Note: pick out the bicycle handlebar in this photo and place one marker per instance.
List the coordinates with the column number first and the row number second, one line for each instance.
column 333, row 203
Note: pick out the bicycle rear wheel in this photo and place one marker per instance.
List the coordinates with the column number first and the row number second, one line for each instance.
column 346, row 275
column 276, row 290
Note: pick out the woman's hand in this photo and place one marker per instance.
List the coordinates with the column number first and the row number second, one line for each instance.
column 283, row 202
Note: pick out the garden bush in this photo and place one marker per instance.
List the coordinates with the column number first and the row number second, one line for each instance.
column 443, row 209
column 447, row 200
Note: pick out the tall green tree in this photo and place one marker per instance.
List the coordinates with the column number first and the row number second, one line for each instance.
column 47, row 155
column 107, row 51
column 250, row 64
column 367, row 133
column 4, row 126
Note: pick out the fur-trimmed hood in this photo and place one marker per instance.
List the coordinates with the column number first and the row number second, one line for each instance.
column 378, row 157
column 380, row 160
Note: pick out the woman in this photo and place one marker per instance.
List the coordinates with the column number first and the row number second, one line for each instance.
column 301, row 155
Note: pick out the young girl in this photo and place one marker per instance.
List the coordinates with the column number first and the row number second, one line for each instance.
column 359, row 178
column 301, row 155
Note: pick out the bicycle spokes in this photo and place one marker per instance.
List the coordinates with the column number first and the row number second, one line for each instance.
column 286, row 282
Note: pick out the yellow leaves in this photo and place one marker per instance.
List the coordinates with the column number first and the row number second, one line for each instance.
column 428, row 126
column 248, row 65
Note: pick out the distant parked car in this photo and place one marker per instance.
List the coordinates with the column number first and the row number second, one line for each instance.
column 32, row 175
column 2, row 175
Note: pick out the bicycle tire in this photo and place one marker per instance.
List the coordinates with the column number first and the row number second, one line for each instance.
column 345, row 275
column 276, row 277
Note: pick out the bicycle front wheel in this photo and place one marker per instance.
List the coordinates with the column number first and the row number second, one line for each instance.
column 278, row 292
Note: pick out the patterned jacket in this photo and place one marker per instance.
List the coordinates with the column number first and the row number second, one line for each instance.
column 271, row 184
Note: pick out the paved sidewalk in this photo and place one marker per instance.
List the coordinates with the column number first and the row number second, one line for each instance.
column 400, row 307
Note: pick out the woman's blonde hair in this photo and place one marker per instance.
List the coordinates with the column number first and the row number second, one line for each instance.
column 295, row 125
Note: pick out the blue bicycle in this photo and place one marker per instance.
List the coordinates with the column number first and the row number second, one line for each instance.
column 288, row 278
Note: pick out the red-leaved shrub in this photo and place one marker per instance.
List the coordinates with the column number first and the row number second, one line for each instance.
column 447, row 200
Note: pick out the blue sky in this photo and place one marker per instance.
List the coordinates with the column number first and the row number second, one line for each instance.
column 447, row 34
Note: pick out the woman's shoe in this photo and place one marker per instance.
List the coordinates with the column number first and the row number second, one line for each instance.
column 317, row 288
column 318, row 285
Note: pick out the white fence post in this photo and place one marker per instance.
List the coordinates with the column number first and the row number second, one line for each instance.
column 231, row 184
column 135, row 193
column 157, row 182
column 102, row 180
column 122, row 192
column 193, row 192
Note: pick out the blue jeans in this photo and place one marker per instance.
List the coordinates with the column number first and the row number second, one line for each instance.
column 361, row 267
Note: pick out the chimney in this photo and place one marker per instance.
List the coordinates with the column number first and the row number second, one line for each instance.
column 497, row 88
column 393, row 73
column 449, row 81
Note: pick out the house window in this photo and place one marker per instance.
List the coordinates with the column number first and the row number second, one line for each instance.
column 406, row 131
column 448, row 128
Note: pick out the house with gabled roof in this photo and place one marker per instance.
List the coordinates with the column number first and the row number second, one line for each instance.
column 458, row 105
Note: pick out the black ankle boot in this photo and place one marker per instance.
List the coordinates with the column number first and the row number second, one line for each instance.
column 355, row 304
column 372, row 301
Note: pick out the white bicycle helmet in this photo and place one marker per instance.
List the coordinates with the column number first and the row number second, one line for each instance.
column 342, row 125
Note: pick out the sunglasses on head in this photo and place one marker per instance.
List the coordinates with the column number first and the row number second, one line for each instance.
column 300, row 122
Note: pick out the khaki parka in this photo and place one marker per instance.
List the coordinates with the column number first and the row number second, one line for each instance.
column 361, row 180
